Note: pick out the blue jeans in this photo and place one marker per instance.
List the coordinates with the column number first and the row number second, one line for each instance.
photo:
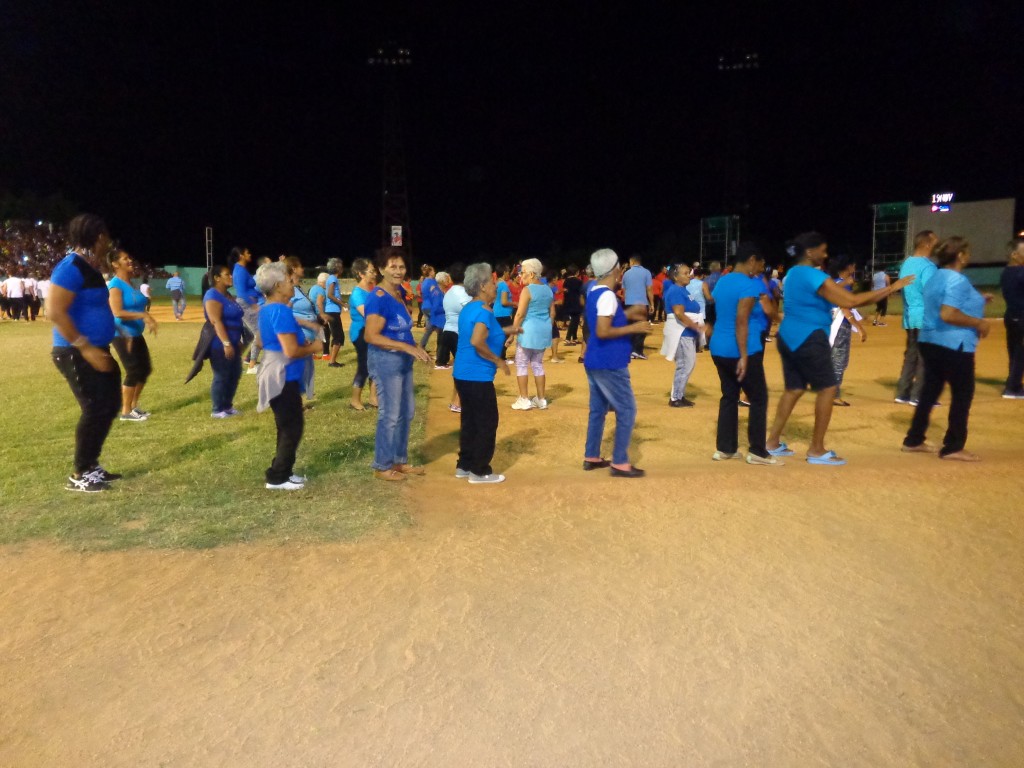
column 178, row 305
column 611, row 390
column 393, row 373
column 226, row 374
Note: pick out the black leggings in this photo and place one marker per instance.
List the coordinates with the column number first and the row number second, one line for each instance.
column 99, row 396
column 362, row 371
column 941, row 365
column 290, row 422
column 446, row 347
column 134, row 354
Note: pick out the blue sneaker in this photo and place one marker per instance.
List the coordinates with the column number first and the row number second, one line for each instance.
column 782, row 450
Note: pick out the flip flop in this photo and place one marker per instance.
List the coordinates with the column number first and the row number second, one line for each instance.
column 828, row 459
column 782, row 450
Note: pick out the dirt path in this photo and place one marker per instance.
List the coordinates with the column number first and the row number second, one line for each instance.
column 711, row 614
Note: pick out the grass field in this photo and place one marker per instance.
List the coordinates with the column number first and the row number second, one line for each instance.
column 190, row 481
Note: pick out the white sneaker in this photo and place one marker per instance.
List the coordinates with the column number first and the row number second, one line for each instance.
column 522, row 404
column 298, row 479
column 723, row 456
column 462, row 474
column 287, row 485
column 251, row 371
column 538, row 403
column 220, row 415
column 492, row 478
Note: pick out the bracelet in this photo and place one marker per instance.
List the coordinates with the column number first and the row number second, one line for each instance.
column 225, row 342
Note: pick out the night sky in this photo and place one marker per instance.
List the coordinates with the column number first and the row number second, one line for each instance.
column 529, row 128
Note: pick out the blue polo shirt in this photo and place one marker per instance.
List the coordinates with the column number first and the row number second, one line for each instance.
column 397, row 321
column 729, row 291
column 469, row 366
column 806, row 310
column 949, row 287
column 278, row 318
column 90, row 308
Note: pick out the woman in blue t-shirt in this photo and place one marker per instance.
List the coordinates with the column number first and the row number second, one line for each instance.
column 285, row 352
column 227, row 316
column 803, row 342
column 83, row 327
column 683, row 328
column 954, row 321
column 479, row 358
column 305, row 314
column 366, row 274
column 131, row 318
column 535, row 315
column 390, row 354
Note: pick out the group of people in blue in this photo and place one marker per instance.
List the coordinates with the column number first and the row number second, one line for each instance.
column 943, row 316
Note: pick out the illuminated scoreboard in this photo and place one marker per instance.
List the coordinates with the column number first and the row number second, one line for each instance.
column 942, row 202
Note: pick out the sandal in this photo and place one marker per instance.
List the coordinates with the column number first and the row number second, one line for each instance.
column 353, row 408
column 827, row 459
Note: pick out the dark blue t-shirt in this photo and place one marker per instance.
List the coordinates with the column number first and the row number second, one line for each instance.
column 677, row 295
column 244, row 284
column 397, row 322
column 729, row 291
column 278, row 318
column 231, row 315
column 469, row 366
column 90, row 308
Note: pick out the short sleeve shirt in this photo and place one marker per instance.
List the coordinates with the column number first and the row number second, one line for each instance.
column 953, row 289
column 244, row 284
column 132, row 301
column 806, row 310
column 676, row 295
column 469, row 365
column 333, row 291
column 278, row 318
column 729, row 291
column 231, row 316
column 913, row 295
column 634, row 283
column 500, row 310
column 357, row 300
column 90, row 308
column 397, row 321
column 453, row 302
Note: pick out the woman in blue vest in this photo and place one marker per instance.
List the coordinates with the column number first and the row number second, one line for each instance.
column 131, row 318
column 954, row 321
column 607, row 365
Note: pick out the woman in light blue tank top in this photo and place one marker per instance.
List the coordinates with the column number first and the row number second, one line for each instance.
column 533, row 318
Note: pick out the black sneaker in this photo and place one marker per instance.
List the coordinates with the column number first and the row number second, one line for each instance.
column 87, row 483
column 100, row 474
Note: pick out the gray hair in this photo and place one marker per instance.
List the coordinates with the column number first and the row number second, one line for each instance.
column 442, row 277
column 271, row 275
column 477, row 276
column 533, row 266
column 333, row 264
column 321, row 279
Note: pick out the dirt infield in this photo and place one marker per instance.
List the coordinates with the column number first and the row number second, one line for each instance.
column 708, row 615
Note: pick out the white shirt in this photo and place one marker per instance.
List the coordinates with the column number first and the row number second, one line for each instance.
column 15, row 287
column 144, row 289
column 43, row 289
column 30, row 287
column 454, row 300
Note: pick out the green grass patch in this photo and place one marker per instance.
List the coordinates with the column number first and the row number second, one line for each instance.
column 190, row 481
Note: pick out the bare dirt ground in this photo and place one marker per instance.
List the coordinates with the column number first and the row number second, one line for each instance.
column 708, row 615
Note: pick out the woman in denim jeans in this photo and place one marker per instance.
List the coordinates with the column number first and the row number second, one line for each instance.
column 390, row 354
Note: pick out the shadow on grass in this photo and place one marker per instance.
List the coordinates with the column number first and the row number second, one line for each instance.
column 196, row 448
column 440, row 445
column 356, row 452
column 185, row 402
column 509, row 449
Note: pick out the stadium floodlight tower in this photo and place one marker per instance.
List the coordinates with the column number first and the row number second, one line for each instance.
column 390, row 60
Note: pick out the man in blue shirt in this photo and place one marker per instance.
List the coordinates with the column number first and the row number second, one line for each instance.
column 176, row 287
column 919, row 264
column 638, row 292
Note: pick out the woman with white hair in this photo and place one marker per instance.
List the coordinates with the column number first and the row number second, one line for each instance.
column 533, row 320
column 318, row 295
column 280, row 376
column 333, row 309
column 480, row 356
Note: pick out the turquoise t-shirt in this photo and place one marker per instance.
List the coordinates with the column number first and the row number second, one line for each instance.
column 806, row 311
column 333, row 292
column 469, row 366
column 729, row 290
column 500, row 310
column 951, row 288
column 133, row 301
column 913, row 295
column 356, row 300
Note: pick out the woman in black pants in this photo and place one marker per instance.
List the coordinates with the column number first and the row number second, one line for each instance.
column 78, row 305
